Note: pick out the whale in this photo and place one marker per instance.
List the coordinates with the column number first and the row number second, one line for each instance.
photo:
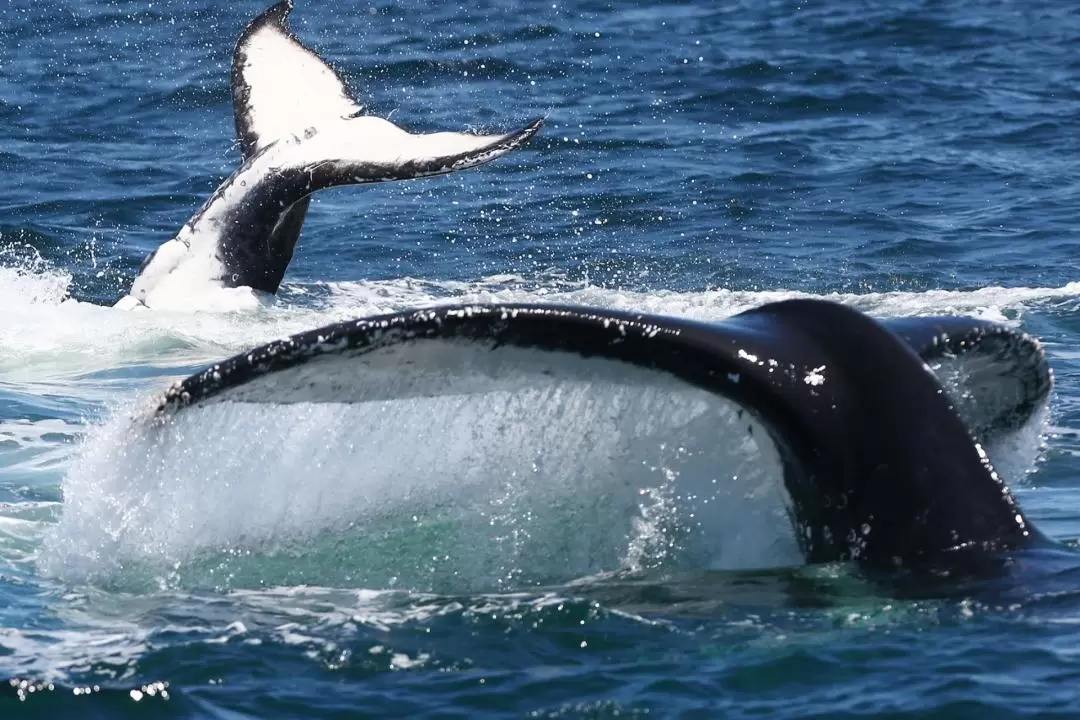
column 300, row 131
column 885, row 466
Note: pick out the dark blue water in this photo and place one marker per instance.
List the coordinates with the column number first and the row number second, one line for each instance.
column 699, row 159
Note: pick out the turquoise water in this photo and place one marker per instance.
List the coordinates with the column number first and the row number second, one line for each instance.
column 699, row 159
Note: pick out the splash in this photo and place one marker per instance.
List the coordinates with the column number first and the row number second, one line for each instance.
column 45, row 335
column 191, row 511
column 27, row 280
column 508, row 472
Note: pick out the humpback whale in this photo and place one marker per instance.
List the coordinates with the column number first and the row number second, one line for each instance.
column 884, row 468
column 300, row 131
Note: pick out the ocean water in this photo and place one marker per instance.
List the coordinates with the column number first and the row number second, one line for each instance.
column 699, row 159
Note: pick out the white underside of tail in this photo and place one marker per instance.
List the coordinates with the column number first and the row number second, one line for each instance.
column 373, row 141
column 362, row 149
column 211, row 299
column 290, row 88
column 188, row 279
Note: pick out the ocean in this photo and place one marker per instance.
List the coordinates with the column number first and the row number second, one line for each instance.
column 918, row 157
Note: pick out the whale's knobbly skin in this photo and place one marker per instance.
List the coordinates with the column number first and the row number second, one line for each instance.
column 300, row 131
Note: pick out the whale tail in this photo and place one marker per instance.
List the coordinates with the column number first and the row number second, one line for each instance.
column 282, row 89
column 300, row 131
column 252, row 222
column 880, row 467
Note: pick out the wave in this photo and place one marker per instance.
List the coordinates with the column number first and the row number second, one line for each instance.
column 44, row 333
column 107, row 638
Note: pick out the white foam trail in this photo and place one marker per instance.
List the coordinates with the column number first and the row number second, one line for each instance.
column 56, row 655
column 45, row 335
column 110, row 633
column 990, row 303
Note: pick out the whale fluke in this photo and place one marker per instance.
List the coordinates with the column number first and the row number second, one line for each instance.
column 300, row 131
column 280, row 86
column 880, row 466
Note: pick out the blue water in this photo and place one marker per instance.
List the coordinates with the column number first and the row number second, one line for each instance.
column 699, row 159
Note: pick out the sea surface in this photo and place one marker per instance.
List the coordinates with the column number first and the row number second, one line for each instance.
column 700, row 158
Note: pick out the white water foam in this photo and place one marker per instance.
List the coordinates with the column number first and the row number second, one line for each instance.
column 28, row 286
column 46, row 335
column 998, row 304
column 107, row 634
column 486, row 469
